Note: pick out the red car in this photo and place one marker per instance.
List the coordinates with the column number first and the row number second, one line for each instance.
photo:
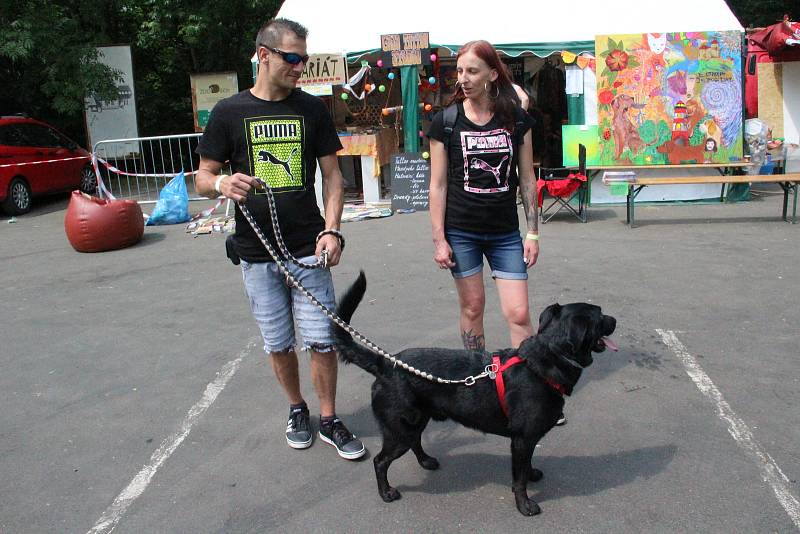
column 37, row 159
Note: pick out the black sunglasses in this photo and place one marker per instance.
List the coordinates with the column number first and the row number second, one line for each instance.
column 289, row 57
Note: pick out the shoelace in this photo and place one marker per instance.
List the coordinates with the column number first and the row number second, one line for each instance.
column 299, row 421
column 340, row 433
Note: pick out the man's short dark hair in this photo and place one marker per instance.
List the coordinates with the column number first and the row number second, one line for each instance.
column 271, row 34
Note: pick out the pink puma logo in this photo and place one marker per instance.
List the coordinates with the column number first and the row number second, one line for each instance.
column 478, row 163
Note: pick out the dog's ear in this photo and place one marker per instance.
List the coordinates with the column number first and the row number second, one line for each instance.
column 552, row 367
column 552, row 311
column 577, row 330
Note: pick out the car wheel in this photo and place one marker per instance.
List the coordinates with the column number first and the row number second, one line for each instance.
column 88, row 183
column 18, row 200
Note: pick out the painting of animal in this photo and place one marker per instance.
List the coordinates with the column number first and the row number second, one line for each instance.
column 625, row 133
column 678, row 152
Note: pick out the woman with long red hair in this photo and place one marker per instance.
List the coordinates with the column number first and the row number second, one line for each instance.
column 477, row 163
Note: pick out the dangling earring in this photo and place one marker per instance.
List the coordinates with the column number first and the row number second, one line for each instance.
column 486, row 88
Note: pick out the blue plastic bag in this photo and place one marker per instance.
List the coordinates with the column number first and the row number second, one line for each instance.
column 173, row 203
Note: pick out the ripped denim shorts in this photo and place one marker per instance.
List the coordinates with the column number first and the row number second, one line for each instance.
column 276, row 307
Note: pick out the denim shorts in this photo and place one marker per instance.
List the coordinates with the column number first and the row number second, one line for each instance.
column 503, row 251
column 276, row 307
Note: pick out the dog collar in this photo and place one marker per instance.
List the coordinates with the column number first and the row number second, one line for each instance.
column 556, row 386
column 498, row 378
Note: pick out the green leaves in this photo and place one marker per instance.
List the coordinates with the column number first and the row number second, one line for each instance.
column 49, row 63
column 16, row 40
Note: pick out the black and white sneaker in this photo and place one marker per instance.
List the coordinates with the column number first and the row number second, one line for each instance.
column 298, row 429
column 562, row 420
column 336, row 434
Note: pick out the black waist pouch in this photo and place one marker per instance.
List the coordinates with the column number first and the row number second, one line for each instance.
column 230, row 250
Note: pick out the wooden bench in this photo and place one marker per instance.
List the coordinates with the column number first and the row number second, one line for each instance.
column 789, row 183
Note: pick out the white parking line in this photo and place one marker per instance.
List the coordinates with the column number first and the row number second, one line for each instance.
column 770, row 472
column 108, row 521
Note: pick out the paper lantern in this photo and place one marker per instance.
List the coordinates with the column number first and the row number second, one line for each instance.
column 344, row 96
column 390, row 75
column 567, row 56
column 427, row 107
column 434, row 57
column 425, row 155
column 432, row 80
column 381, row 88
column 380, row 63
column 367, row 87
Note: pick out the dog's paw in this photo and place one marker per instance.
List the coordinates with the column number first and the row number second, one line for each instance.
column 390, row 495
column 527, row 506
column 536, row 475
column 430, row 463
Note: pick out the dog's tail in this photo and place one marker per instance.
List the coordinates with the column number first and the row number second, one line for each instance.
column 349, row 350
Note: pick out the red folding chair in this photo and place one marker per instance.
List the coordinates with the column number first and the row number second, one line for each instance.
column 566, row 189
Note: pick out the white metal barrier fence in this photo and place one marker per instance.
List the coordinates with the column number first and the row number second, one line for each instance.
column 138, row 168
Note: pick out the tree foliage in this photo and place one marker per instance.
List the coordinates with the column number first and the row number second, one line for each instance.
column 760, row 13
column 46, row 62
column 48, row 57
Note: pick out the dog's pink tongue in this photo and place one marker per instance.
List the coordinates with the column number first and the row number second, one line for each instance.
column 610, row 344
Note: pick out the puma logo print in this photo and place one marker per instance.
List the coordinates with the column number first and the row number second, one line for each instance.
column 478, row 163
column 264, row 155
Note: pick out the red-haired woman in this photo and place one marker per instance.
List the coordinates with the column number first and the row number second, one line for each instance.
column 473, row 194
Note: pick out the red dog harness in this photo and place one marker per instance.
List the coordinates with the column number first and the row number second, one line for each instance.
column 501, row 386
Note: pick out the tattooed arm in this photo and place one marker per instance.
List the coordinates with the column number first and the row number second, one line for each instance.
column 527, row 188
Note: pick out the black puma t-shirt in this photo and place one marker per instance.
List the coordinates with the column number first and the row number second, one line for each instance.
column 482, row 176
column 279, row 142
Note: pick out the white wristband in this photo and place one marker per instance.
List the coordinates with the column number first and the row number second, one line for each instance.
column 218, row 182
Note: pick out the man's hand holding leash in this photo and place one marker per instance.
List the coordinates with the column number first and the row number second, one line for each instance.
column 332, row 242
column 235, row 186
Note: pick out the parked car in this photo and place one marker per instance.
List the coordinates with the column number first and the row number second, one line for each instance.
column 23, row 143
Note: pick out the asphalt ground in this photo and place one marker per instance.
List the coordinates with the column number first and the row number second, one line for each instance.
column 135, row 393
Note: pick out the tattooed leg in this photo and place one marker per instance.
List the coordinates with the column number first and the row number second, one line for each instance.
column 473, row 341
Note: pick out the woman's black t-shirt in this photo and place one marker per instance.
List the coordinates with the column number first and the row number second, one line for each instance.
column 482, row 176
column 279, row 142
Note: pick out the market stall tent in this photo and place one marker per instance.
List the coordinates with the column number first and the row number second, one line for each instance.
column 541, row 28
column 515, row 28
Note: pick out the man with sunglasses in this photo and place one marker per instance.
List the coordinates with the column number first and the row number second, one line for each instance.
column 276, row 133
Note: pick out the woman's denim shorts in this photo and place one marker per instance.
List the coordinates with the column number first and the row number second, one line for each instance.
column 503, row 251
column 276, row 307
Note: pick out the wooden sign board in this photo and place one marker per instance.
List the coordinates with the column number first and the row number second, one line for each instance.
column 403, row 49
column 324, row 69
column 411, row 179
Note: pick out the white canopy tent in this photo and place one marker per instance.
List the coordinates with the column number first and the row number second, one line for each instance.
column 514, row 28
column 357, row 29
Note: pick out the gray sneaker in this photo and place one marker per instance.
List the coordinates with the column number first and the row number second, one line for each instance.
column 298, row 429
column 336, row 434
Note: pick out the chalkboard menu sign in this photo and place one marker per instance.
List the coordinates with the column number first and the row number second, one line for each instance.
column 411, row 179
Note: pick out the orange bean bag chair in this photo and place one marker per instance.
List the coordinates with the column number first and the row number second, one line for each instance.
column 96, row 225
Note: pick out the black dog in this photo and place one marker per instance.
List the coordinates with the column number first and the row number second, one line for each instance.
column 403, row 402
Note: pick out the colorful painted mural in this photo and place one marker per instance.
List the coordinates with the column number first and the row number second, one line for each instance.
column 669, row 98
